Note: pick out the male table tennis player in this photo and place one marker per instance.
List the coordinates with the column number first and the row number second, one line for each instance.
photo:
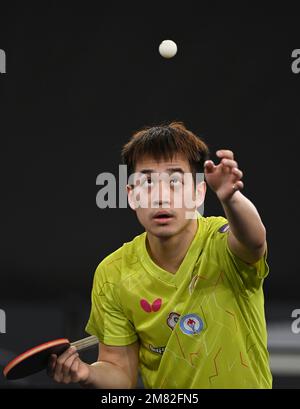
column 183, row 301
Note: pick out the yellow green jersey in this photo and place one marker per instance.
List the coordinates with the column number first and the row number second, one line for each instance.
column 203, row 327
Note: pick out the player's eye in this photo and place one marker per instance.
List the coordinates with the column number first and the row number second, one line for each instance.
column 147, row 182
column 176, row 181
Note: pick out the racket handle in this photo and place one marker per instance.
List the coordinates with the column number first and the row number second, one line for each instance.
column 85, row 343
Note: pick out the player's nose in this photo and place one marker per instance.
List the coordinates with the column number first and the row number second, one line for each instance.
column 161, row 194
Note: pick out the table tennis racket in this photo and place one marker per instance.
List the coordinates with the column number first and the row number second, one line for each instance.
column 36, row 359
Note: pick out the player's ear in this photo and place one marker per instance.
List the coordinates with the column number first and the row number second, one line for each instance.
column 130, row 195
column 200, row 193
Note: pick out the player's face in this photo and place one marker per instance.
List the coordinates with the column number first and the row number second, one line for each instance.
column 164, row 196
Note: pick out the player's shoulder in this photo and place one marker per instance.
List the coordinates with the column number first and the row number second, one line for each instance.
column 116, row 265
column 215, row 224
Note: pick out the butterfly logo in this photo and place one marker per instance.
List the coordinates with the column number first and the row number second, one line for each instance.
column 151, row 308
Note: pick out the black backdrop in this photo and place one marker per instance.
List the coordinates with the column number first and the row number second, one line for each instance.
column 80, row 81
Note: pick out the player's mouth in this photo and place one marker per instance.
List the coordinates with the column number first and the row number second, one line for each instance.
column 162, row 217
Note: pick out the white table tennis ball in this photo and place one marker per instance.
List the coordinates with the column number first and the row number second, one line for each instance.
column 167, row 49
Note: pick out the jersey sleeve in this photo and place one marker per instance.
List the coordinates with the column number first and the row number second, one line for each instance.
column 245, row 278
column 107, row 320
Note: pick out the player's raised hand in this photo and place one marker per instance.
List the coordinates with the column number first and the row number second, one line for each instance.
column 225, row 178
column 68, row 367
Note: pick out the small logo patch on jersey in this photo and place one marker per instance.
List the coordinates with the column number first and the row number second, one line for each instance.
column 149, row 308
column 157, row 350
column 191, row 324
column 172, row 320
column 224, row 228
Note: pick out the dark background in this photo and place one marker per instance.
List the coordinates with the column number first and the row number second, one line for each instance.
column 79, row 82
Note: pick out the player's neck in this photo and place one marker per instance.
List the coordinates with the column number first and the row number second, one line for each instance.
column 168, row 253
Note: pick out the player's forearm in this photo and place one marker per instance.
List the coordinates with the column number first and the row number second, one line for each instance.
column 105, row 375
column 244, row 221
